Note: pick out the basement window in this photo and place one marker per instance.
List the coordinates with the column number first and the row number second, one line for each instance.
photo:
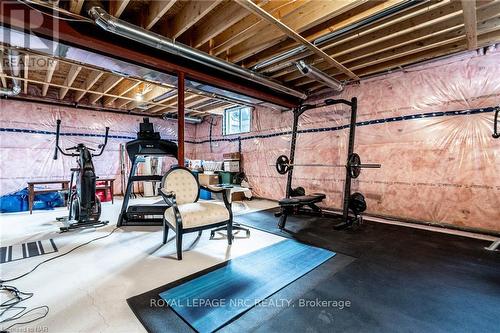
column 237, row 120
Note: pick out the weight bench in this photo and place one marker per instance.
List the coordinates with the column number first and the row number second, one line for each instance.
column 293, row 205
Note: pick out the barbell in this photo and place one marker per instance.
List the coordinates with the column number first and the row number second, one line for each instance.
column 354, row 165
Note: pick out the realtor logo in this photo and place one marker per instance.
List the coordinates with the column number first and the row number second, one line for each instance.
column 21, row 25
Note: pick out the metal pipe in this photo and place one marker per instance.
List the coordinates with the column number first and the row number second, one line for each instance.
column 14, row 64
column 190, row 120
column 133, row 32
column 318, row 75
column 164, row 96
column 334, row 34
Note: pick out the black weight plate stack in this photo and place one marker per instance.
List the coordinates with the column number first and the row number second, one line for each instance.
column 357, row 203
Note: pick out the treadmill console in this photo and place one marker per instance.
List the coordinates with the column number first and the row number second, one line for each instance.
column 146, row 131
column 149, row 142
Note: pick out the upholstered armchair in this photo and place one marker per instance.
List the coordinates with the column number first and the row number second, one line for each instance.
column 180, row 190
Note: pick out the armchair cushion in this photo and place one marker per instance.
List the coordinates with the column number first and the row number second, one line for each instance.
column 198, row 214
column 183, row 183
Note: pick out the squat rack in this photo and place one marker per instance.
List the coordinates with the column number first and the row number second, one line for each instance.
column 353, row 165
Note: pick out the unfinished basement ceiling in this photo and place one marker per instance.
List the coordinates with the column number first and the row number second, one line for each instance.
column 366, row 37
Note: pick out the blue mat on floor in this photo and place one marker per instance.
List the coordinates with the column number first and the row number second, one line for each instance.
column 210, row 301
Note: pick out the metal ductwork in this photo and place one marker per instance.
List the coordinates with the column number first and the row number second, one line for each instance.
column 146, row 37
column 189, row 120
column 15, row 69
column 319, row 76
column 327, row 38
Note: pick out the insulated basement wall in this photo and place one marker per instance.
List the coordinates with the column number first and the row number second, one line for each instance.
column 429, row 126
column 27, row 141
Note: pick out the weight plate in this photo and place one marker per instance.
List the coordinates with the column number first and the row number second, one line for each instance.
column 298, row 191
column 357, row 203
column 282, row 164
column 353, row 163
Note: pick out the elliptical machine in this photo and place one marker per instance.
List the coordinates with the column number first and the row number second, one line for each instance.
column 84, row 205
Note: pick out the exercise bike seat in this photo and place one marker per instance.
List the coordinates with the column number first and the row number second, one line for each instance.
column 302, row 200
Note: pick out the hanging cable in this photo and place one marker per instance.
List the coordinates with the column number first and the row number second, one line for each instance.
column 30, row 4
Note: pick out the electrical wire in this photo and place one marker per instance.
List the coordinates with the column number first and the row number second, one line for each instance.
column 58, row 256
column 20, row 296
column 12, row 304
column 30, row 5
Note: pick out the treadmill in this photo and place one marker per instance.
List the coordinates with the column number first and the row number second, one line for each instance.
column 148, row 143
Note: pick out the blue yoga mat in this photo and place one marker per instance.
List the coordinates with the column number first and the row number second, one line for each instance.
column 212, row 300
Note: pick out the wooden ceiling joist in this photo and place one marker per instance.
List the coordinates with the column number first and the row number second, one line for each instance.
column 70, row 78
column 75, row 6
column 251, row 25
column 189, row 15
column 148, row 97
column 132, row 93
column 55, row 85
column 116, row 7
column 155, row 11
column 92, row 78
column 344, row 20
column 470, row 22
column 120, row 90
column 48, row 77
column 294, row 35
column 386, row 36
column 215, row 23
column 372, row 54
column 298, row 20
column 200, row 99
column 486, row 38
column 388, row 29
column 394, row 41
column 106, row 86
column 247, row 32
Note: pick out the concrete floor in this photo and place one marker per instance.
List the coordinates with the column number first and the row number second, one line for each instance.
column 86, row 289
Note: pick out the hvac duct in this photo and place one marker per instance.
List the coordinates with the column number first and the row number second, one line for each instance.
column 146, row 37
column 14, row 64
column 189, row 120
column 164, row 96
column 320, row 76
column 325, row 39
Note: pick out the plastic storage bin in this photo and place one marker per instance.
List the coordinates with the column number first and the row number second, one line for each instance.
column 226, row 177
column 205, row 195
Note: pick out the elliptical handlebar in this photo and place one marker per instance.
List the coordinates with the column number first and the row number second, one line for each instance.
column 102, row 146
column 59, row 149
column 496, row 134
column 58, row 127
column 58, row 133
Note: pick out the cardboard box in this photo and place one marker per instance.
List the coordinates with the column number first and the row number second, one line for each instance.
column 232, row 166
column 231, row 156
column 206, row 180
column 238, row 196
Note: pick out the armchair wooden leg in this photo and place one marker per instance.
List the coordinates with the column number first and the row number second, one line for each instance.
column 166, row 228
column 179, row 244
